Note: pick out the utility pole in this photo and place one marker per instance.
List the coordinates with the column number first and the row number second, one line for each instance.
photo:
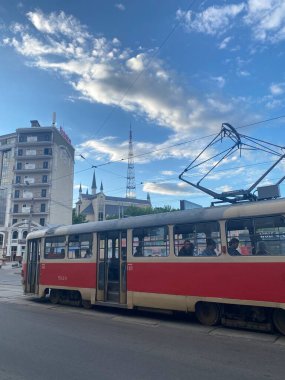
column 131, row 184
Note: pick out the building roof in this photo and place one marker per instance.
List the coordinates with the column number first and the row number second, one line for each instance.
column 88, row 210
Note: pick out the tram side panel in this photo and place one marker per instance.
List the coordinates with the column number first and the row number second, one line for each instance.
column 69, row 276
column 179, row 286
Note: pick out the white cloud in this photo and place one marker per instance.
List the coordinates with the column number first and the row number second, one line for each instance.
column 220, row 81
column 277, row 88
column 212, row 20
column 169, row 188
column 224, row 43
column 267, row 19
column 120, row 6
column 168, row 172
column 55, row 23
column 102, row 71
column 136, row 63
column 243, row 73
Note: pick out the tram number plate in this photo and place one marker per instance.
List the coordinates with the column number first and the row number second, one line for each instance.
column 62, row 278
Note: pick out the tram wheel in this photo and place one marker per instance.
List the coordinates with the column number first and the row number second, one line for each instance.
column 208, row 313
column 279, row 320
column 54, row 296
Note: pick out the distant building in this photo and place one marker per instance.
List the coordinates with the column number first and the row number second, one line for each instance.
column 97, row 206
column 36, row 183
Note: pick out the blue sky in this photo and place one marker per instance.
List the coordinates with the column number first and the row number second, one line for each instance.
column 174, row 70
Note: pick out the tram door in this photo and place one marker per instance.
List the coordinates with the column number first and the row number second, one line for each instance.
column 33, row 260
column 111, row 276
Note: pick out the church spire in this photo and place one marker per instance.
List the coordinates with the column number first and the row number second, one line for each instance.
column 80, row 192
column 148, row 197
column 94, row 187
column 101, row 187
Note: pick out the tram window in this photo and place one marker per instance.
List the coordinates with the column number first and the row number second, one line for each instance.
column 197, row 234
column 80, row 246
column 152, row 241
column 55, row 247
column 242, row 229
column 270, row 235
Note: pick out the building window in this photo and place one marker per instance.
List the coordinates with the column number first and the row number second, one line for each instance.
column 18, row 179
column 44, row 193
column 44, row 179
column 17, row 193
column 100, row 216
column 45, row 165
column 22, row 138
column 15, row 235
column 1, row 240
column 31, row 152
column 16, row 208
column 14, row 221
column 20, row 152
column 19, row 165
column 25, row 233
column 42, row 221
column 14, row 252
column 43, row 207
column 47, row 151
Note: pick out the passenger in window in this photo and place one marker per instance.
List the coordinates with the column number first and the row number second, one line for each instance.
column 88, row 253
column 187, row 249
column 232, row 249
column 210, row 249
column 262, row 251
column 138, row 251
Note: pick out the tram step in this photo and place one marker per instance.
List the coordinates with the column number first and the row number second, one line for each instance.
column 111, row 304
column 113, row 296
column 260, row 326
column 113, row 286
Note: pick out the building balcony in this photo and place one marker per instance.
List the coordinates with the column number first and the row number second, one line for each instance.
column 35, row 170
column 39, row 156
column 31, row 185
column 26, row 199
column 28, row 213
column 34, row 143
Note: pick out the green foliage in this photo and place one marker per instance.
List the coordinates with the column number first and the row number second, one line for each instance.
column 77, row 219
column 135, row 211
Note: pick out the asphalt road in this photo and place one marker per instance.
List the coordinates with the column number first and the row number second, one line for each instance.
column 45, row 342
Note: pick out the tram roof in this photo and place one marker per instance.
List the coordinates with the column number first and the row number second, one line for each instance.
column 246, row 209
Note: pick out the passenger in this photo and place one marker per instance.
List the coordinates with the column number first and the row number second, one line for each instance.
column 262, row 251
column 210, row 249
column 232, row 249
column 88, row 253
column 139, row 250
column 187, row 249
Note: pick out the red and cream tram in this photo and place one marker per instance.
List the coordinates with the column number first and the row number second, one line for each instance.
column 136, row 263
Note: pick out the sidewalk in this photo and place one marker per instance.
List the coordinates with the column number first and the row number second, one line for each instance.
column 9, row 264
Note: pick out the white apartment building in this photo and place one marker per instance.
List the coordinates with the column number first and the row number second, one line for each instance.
column 36, row 184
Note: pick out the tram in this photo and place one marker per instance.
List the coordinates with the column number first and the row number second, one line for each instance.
column 135, row 262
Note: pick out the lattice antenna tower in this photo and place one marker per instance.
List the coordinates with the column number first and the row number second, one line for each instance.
column 131, row 184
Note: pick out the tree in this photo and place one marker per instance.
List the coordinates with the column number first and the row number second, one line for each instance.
column 77, row 219
column 135, row 211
